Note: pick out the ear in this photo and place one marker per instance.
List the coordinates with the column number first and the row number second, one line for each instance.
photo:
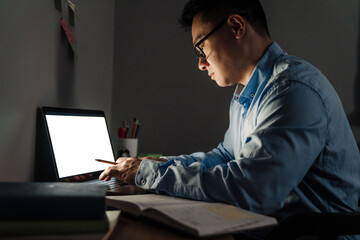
column 238, row 25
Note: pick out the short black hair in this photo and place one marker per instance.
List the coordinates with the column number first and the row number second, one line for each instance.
column 215, row 10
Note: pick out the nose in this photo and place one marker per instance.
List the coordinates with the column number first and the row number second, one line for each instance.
column 202, row 64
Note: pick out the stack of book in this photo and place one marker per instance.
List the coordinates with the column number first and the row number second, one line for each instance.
column 52, row 209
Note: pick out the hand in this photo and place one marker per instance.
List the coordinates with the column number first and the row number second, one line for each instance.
column 125, row 170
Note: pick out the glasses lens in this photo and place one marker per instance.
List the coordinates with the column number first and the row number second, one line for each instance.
column 199, row 53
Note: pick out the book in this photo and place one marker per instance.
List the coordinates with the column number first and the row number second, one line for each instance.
column 31, row 228
column 196, row 218
column 51, row 200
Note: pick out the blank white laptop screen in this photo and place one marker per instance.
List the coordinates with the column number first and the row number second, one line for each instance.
column 77, row 141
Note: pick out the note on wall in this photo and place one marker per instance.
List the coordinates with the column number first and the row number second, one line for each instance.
column 72, row 40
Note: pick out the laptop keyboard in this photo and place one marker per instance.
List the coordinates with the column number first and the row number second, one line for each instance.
column 113, row 184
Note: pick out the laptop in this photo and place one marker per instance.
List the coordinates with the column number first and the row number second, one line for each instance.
column 76, row 138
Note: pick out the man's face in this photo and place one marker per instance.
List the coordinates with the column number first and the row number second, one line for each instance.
column 219, row 62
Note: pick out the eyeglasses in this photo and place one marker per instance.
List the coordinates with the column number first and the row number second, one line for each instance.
column 198, row 51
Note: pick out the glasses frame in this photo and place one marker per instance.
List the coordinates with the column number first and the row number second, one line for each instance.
column 198, row 51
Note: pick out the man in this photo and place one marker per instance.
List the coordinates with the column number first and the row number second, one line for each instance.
column 289, row 147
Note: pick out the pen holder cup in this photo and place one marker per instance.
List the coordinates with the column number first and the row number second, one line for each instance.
column 129, row 144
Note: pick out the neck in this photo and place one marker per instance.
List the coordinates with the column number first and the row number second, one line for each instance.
column 254, row 50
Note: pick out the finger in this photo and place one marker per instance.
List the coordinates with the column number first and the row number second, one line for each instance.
column 104, row 174
column 107, row 178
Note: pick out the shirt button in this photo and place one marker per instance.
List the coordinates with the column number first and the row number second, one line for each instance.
column 143, row 181
column 252, row 95
column 170, row 189
column 244, row 115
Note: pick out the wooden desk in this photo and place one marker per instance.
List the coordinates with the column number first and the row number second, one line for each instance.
column 124, row 228
column 131, row 229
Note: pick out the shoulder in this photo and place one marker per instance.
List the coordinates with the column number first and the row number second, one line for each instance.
column 291, row 71
column 292, row 68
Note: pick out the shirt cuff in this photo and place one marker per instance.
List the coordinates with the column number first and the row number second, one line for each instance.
column 146, row 173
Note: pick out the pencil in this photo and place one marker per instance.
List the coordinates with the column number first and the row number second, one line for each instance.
column 105, row 161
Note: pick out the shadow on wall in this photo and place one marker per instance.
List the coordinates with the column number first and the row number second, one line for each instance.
column 354, row 117
column 65, row 63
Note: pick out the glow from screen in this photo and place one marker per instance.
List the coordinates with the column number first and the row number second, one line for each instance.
column 77, row 141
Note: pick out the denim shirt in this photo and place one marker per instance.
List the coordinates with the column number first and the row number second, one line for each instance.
column 288, row 149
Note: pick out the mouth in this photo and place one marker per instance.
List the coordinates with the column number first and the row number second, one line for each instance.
column 211, row 75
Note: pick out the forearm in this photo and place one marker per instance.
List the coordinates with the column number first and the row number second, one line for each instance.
column 172, row 178
column 218, row 155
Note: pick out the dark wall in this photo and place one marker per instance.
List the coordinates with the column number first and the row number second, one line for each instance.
column 38, row 68
column 156, row 79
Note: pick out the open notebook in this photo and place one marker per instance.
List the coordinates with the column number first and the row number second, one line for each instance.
column 77, row 137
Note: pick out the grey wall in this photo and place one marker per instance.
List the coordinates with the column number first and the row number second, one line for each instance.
column 37, row 69
column 156, row 78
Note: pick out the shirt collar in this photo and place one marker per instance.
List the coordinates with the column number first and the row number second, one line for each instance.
column 261, row 74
